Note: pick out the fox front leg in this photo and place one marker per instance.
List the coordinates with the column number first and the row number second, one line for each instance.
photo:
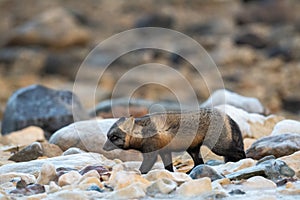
column 148, row 161
column 167, row 160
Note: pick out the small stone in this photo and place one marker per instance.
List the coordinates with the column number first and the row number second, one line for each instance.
column 69, row 178
column 103, row 173
column 252, row 39
column 134, row 191
column 201, row 171
column 277, row 145
column 30, row 152
column 163, row 185
column 231, row 167
column 91, row 181
column 24, row 137
column 293, row 161
column 248, row 142
column 95, row 188
column 47, row 174
column 29, row 190
column 258, row 183
column 7, row 177
column 53, row 187
column 73, row 150
column 178, row 177
column 195, row 187
column 214, row 162
column 92, row 173
column 286, row 126
column 51, row 150
column 122, row 179
column 237, row 192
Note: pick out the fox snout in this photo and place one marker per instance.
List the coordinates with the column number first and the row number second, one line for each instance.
column 109, row 146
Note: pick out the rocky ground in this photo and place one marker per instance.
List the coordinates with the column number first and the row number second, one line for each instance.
column 43, row 154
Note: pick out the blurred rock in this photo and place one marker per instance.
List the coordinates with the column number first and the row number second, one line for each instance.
column 220, row 97
column 30, row 152
column 291, row 104
column 24, row 137
column 47, row 174
column 195, row 187
column 284, row 53
column 69, row 178
column 42, row 107
column 102, row 171
column 94, row 188
column 53, row 187
column 286, row 126
column 161, row 186
column 258, row 182
column 248, row 142
column 251, row 39
column 178, row 177
column 76, row 161
column 91, row 136
column 29, row 190
column 55, row 28
column 51, row 150
column 293, row 161
column 134, row 191
column 231, row 167
column 252, row 125
column 11, row 176
column 201, row 171
column 73, row 150
column 155, row 20
column 277, row 145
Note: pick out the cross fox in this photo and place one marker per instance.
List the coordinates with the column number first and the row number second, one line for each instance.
column 164, row 133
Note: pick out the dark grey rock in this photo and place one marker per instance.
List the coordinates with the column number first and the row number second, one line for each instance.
column 277, row 145
column 237, row 192
column 30, row 152
column 201, row 171
column 268, row 167
column 251, row 39
column 29, row 190
column 43, row 107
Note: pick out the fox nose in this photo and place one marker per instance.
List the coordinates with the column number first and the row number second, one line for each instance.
column 108, row 146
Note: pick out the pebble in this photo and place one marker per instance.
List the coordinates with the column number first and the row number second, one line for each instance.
column 277, row 145
column 69, row 178
column 201, row 171
column 90, row 136
column 221, row 97
column 51, row 150
column 258, row 183
column 43, row 107
column 30, row 152
column 89, row 181
column 178, row 177
column 293, row 161
column 73, row 150
column 161, row 186
column 47, row 174
column 53, row 187
column 95, row 188
column 286, row 126
column 231, row 167
column 39, row 30
column 92, row 173
column 252, row 125
column 134, row 191
column 11, row 176
column 24, row 137
column 29, row 190
column 195, row 187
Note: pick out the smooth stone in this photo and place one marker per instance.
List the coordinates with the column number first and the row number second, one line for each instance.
column 252, row 39
column 291, row 189
column 92, row 173
column 90, row 136
column 162, row 185
column 201, row 171
column 47, row 174
column 134, row 191
column 43, row 107
column 29, row 190
column 231, row 167
column 195, row 187
column 237, row 192
column 9, row 176
column 24, row 137
column 39, row 30
column 51, row 150
column 286, row 126
column 277, row 145
column 293, row 161
column 77, row 161
column 252, row 125
column 53, row 187
column 178, row 177
column 223, row 96
column 73, row 150
column 258, row 183
column 99, row 168
column 94, row 188
column 30, row 152
column 248, row 142
column 69, row 178
column 89, row 181
column 122, row 179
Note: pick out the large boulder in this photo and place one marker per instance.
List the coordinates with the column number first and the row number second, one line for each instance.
column 55, row 28
column 90, row 136
column 43, row 107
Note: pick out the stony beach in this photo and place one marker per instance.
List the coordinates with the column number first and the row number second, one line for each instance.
column 53, row 131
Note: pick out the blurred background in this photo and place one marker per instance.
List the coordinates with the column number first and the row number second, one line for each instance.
column 255, row 44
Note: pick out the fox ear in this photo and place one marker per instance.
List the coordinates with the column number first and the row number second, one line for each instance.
column 127, row 125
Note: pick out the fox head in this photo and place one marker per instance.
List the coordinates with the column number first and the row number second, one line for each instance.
column 117, row 134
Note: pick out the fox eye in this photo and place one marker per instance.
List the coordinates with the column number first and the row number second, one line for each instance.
column 113, row 138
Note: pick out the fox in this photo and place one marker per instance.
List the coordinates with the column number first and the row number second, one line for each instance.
column 163, row 133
